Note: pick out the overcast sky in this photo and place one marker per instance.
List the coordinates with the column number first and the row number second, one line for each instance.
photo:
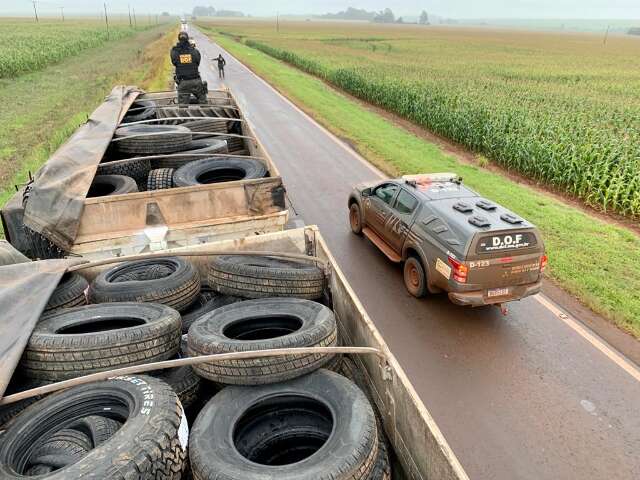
column 583, row 9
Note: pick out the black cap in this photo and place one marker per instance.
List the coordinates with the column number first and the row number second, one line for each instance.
column 183, row 36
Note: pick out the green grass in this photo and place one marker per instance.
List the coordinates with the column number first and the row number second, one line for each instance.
column 562, row 109
column 595, row 261
column 41, row 109
column 26, row 46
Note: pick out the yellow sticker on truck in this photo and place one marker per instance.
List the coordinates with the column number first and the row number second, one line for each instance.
column 185, row 58
column 443, row 268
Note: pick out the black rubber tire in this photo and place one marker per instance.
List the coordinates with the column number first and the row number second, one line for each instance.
column 153, row 434
column 40, row 247
column 137, row 168
column 183, row 381
column 8, row 412
column 148, row 113
column 70, row 444
column 415, row 279
column 355, row 218
column 258, row 277
column 207, row 301
column 382, row 466
column 217, row 170
column 236, row 145
column 172, row 281
column 160, row 179
column 69, row 293
column 215, row 125
column 94, row 338
column 168, row 139
column 263, row 324
column 254, row 433
column 109, row 185
column 199, row 147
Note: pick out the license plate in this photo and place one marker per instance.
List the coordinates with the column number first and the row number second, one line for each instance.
column 497, row 292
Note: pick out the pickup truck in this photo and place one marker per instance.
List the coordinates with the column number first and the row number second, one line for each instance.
column 450, row 239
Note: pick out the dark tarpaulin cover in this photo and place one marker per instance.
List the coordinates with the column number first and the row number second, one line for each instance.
column 25, row 289
column 61, row 185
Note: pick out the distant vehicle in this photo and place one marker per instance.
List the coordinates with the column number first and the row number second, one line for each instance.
column 450, row 239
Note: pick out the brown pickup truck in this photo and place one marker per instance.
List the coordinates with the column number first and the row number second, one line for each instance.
column 450, row 239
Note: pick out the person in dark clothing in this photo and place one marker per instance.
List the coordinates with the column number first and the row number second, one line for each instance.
column 186, row 59
column 221, row 63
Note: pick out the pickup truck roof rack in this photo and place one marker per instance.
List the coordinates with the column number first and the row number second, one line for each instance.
column 422, row 178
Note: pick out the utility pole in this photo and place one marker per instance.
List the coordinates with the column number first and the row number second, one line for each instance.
column 278, row 22
column 606, row 35
column 130, row 23
column 135, row 22
column 62, row 13
column 106, row 19
column 35, row 11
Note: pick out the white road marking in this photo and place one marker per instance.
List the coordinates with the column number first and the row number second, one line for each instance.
column 576, row 325
column 590, row 337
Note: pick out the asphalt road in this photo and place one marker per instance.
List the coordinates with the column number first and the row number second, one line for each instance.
column 518, row 397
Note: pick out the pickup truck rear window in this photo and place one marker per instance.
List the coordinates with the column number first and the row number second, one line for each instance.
column 504, row 242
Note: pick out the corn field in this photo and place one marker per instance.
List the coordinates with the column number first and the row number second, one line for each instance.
column 563, row 110
column 27, row 47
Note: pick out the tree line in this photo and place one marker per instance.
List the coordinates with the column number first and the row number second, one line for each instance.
column 383, row 16
column 212, row 12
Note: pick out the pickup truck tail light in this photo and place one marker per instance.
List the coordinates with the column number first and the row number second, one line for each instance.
column 543, row 263
column 460, row 271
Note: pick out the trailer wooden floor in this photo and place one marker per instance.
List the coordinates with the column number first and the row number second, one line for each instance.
column 529, row 396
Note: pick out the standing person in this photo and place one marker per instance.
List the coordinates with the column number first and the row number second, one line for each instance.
column 186, row 59
column 221, row 63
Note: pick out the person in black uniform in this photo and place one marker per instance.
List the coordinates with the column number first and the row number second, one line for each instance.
column 221, row 63
column 186, row 58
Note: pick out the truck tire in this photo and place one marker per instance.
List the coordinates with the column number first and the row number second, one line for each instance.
column 94, row 338
column 206, row 302
column 382, row 466
column 148, row 113
column 109, row 185
column 355, row 218
column 217, row 170
column 172, row 281
column 69, row 293
column 198, row 148
column 40, row 247
column 236, row 145
column 136, row 168
column 415, row 279
column 160, row 179
column 258, row 277
column 166, row 139
column 263, row 324
column 215, row 125
column 319, row 426
column 153, row 433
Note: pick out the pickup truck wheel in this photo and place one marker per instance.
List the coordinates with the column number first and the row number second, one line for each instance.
column 172, row 281
column 355, row 219
column 319, row 426
column 94, row 338
column 263, row 324
column 183, row 381
column 259, row 277
column 152, row 433
column 69, row 293
column 415, row 279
